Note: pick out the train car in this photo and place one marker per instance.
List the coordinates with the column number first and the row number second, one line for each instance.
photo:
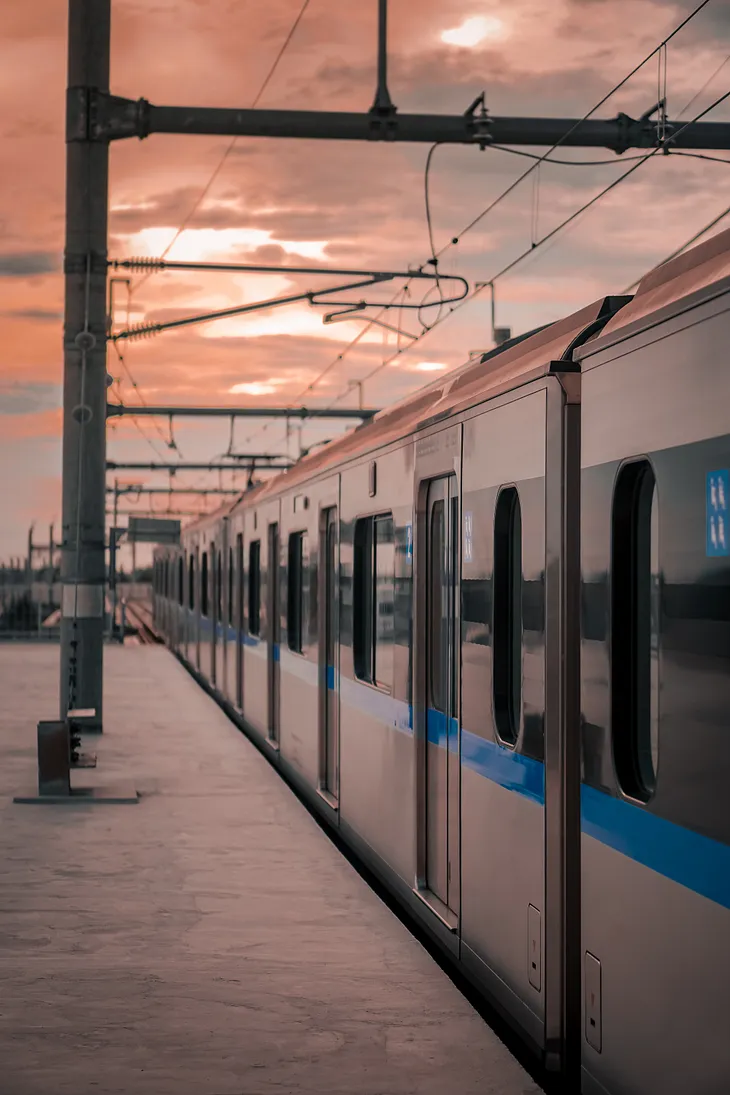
column 655, row 454
column 487, row 635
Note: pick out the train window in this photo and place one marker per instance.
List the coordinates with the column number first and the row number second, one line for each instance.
column 296, row 582
column 373, row 600
column 239, row 579
column 635, row 626
column 191, row 581
column 437, row 699
column 362, row 612
column 507, row 616
column 384, row 620
column 180, row 580
column 254, row 587
column 204, row 584
column 230, row 587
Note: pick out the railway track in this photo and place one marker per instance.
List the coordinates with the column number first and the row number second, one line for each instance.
column 139, row 616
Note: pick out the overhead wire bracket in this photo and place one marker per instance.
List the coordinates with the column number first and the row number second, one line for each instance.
column 315, row 297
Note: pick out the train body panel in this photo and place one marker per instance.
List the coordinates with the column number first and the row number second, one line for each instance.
column 502, row 808
column 656, row 828
column 303, row 612
column 376, row 736
column 493, row 647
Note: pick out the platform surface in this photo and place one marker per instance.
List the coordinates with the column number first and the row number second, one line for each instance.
column 209, row 940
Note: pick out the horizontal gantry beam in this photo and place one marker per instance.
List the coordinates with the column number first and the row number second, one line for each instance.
column 98, row 116
column 121, row 491
column 247, row 463
column 114, row 410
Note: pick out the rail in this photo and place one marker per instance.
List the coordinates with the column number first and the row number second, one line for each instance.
column 139, row 617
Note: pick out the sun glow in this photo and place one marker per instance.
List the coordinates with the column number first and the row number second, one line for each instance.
column 473, row 31
column 204, row 244
column 255, row 387
column 293, row 320
column 429, row 367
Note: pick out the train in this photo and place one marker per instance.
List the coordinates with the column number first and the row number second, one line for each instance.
column 486, row 635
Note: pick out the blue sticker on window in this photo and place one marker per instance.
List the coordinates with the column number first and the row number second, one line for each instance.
column 409, row 543
column 468, row 525
column 718, row 490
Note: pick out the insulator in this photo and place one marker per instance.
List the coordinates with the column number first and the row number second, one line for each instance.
column 144, row 264
column 140, row 330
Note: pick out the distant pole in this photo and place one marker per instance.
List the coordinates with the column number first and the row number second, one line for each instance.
column 84, row 399
column 50, row 566
column 113, row 559
column 29, row 563
column 383, row 103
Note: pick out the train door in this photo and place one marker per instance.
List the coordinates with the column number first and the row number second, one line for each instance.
column 180, row 601
column 198, row 598
column 273, row 628
column 215, row 578
column 239, row 621
column 442, row 753
column 329, row 694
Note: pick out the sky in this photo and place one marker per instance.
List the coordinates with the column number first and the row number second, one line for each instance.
column 336, row 204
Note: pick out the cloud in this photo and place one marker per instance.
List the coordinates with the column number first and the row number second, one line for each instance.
column 39, row 315
column 24, row 264
column 365, row 201
column 19, row 399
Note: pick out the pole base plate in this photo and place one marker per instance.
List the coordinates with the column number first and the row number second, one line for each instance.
column 119, row 794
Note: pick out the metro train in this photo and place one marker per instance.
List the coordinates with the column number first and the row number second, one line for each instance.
column 486, row 634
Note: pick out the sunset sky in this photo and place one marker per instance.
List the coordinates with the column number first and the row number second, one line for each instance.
column 338, row 204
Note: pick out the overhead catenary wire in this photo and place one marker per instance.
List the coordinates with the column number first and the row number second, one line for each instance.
column 688, row 243
column 539, row 159
column 536, row 161
column 704, row 87
column 702, row 156
column 226, row 153
column 143, row 401
column 535, row 164
column 231, row 145
column 533, row 247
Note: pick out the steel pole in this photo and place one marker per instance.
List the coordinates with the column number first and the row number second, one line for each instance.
column 29, row 565
column 84, row 384
column 113, row 559
column 383, row 103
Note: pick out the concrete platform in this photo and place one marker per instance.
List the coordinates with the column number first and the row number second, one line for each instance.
column 209, row 940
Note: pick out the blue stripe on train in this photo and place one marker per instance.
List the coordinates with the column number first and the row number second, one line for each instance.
column 691, row 859
column 514, row 771
column 688, row 858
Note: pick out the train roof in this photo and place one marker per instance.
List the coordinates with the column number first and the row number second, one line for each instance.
column 517, row 362
column 222, row 511
column 674, row 281
column 522, row 359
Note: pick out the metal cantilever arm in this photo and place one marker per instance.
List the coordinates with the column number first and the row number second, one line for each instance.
column 358, row 306
column 313, row 296
column 354, row 312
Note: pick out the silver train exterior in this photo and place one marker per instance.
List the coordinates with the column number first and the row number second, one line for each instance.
column 487, row 635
